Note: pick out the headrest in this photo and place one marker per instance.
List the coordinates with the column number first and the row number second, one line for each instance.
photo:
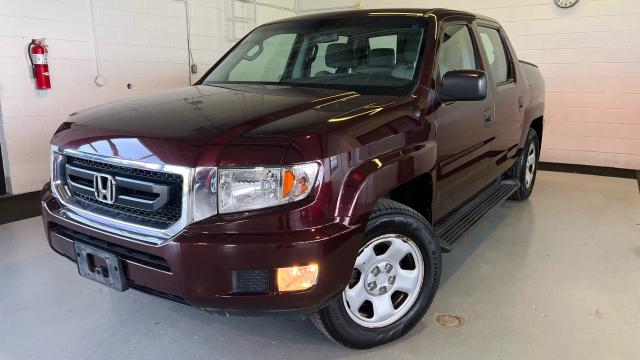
column 381, row 57
column 340, row 56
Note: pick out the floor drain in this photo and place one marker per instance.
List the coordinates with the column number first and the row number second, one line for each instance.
column 448, row 320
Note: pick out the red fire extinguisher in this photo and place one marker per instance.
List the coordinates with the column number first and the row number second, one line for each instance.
column 38, row 56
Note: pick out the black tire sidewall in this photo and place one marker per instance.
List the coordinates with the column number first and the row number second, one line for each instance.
column 520, row 167
column 532, row 140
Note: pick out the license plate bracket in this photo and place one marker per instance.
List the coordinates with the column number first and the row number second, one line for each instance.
column 100, row 266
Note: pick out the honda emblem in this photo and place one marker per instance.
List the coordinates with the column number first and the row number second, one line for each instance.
column 104, row 188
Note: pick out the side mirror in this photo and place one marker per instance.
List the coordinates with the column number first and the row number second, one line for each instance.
column 463, row 85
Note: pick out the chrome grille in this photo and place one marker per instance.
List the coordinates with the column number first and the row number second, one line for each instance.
column 135, row 172
column 143, row 197
column 161, row 219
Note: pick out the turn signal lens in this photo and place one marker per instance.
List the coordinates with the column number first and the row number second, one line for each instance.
column 297, row 278
column 287, row 182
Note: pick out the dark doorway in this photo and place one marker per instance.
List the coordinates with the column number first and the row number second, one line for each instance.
column 3, row 184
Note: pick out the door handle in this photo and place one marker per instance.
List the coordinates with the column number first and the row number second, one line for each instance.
column 488, row 116
column 520, row 103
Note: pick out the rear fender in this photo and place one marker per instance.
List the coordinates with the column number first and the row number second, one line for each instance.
column 533, row 112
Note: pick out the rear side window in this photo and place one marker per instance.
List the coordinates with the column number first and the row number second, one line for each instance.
column 496, row 56
column 385, row 42
column 456, row 51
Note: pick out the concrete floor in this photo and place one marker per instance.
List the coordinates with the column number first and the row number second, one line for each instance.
column 557, row 277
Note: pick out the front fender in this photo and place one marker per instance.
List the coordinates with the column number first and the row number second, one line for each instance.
column 377, row 175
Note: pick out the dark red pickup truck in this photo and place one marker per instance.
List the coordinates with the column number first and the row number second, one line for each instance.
column 318, row 169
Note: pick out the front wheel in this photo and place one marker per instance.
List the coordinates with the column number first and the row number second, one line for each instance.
column 393, row 282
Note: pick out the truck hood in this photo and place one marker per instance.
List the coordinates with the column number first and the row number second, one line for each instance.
column 192, row 125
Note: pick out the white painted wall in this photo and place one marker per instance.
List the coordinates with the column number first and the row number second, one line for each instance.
column 590, row 58
column 141, row 42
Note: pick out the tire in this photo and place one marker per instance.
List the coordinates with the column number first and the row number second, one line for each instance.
column 526, row 167
column 408, row 282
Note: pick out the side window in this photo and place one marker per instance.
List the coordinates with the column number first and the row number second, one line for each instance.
column 495, row 52
column 456, row 51
column 319, row 65
column 386, row 42
column 265, row 62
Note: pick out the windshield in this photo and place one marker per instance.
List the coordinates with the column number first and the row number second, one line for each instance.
column 368, row 55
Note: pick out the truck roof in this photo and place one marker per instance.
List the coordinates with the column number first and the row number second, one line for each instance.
column 438, row 12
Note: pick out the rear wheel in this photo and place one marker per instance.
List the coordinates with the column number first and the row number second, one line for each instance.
column 526, row 166
column 394, row 280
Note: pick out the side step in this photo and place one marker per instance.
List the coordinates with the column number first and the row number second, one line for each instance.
column 452, row 228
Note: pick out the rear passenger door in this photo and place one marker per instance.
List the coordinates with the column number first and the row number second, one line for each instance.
column 464, row 140
column 508, row 116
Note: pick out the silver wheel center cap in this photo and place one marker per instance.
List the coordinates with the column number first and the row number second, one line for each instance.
column 380, row 278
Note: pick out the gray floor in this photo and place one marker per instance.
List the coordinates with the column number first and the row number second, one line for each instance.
column 557, row 277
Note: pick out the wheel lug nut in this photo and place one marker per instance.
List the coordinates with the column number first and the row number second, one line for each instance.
column 388, row 268
column 392, row 280
column 375, row 271
column 372, row 285
column 382, row 290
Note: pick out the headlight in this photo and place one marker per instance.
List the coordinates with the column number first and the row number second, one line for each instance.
column 247, row 189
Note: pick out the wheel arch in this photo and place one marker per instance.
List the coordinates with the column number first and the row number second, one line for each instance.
column 533, row 120
column 538, row 124
column 398, row 176
column 417, row 194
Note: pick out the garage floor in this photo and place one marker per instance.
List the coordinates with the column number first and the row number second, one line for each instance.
column 557, row 277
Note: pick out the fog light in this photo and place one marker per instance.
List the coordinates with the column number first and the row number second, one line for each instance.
column 297, row 278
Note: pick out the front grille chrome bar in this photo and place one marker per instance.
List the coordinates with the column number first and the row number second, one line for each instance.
column 81, row 180
column 64, row 186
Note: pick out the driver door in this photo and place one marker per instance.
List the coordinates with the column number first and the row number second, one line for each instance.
column 463, row 135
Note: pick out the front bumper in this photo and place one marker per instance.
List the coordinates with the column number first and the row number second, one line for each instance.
column 198, row 268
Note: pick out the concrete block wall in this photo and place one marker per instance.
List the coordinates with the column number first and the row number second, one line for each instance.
column 139, row 42
column 589, row 55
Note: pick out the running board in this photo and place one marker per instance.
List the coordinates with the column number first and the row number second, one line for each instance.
column 452, row 228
